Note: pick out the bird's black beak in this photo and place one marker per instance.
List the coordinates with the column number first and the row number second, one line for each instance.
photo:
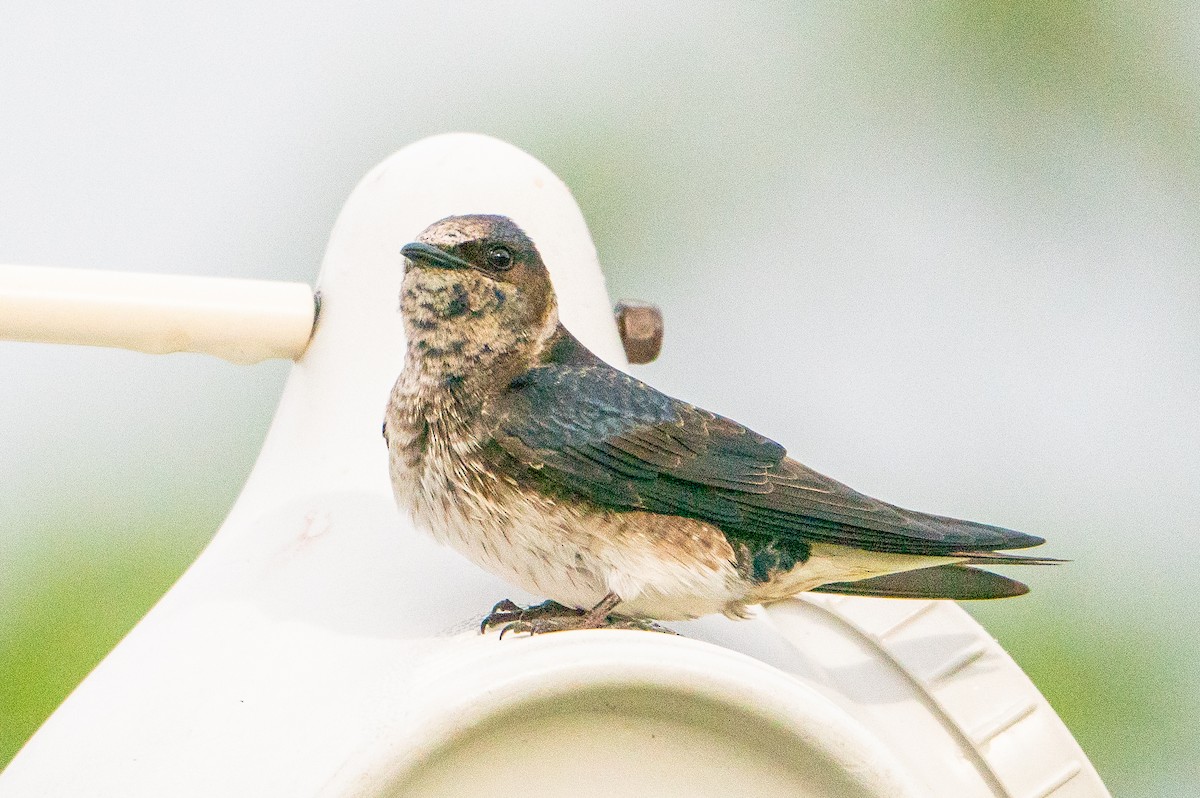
column 432, row 256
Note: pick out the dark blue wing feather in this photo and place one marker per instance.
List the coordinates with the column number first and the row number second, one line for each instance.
column 593, row 430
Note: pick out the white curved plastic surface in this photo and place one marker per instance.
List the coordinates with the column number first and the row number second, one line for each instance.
column 321, row 646
column 646, row 715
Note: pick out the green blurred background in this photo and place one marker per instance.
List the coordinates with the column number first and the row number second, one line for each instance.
column 954, row 247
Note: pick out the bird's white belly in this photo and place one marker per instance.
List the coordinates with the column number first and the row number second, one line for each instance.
column 571, row 552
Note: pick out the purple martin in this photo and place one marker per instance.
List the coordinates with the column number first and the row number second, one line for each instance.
column 514, row 444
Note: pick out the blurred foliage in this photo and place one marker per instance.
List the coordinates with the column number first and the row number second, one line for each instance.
column 71, row 597
column 1116, row 65
column 1016, row 87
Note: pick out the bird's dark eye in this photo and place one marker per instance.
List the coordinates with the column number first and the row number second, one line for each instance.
column 499, row 259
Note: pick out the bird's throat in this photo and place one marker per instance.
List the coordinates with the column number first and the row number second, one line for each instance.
column 467, row 334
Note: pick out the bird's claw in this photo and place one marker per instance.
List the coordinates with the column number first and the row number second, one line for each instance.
column 518, row 627
column 540, row 626
column 505, row 609
column 508, row 614
column 550, row 616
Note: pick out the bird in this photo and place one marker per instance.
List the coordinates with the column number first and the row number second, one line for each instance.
column 511, row 442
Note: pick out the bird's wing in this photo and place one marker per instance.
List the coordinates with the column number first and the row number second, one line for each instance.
column 596, row 431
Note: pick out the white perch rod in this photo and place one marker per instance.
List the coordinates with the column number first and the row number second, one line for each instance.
column 243, row 321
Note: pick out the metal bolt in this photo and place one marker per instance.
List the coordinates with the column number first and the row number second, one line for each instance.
column 641, row 328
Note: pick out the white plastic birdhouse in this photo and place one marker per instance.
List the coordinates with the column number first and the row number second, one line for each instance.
column 321, row 646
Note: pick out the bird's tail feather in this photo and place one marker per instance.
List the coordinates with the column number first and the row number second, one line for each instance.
column 1004, row 558
column 939, row 582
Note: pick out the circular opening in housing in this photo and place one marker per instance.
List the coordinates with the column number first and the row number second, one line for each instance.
column 610, row 741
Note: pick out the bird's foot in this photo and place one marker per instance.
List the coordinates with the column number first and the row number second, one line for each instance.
column 506, row 613
column 550, row 616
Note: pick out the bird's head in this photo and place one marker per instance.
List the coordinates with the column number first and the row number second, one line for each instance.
column 475, row 293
